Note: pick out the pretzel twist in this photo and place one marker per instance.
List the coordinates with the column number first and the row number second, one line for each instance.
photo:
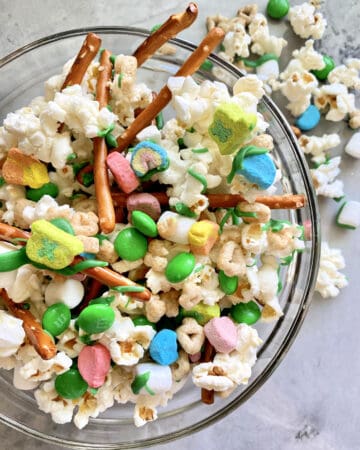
column 207, row 396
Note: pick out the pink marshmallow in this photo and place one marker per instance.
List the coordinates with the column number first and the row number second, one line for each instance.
column 94, row 364
column 307, row 230
column 195, row 357
column 124, row 175
column 144, row 202
column 222, row 334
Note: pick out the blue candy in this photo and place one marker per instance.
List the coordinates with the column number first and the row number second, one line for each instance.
column 148, row 158
column 258, row 169
column 163, row 347
column 308, row 119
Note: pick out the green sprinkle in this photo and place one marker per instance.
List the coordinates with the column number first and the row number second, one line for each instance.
column 184, row 210
column 109, row 108
column 112, row 59
column 207, row 65
column 78, row 166
column 25, row 306
column 120, row 77
column 275, row 225
column 71, row 157
column 181, row 144
column 159, row 119
column 128, row 302
column 93, row 391
column 251, row 265
column 249, row 150
column 224, row 220
column 222, row 47
column 338, row 199
column 200, row 150
column 191, row 130
column 111, row 140
column 2, row 181
column 258, row 62
column 102, row 300
column 101, row 238
column 234, row 217
column 302, row 228
column 13, row 260
column 140, row 381
column 240, row 213
column 198, row 268
column 101, row 51
column 198, row 177
column 343, row 225
column 88, row 179
column 83, row 265
column 85, row 339
column 155, row 28
column 103, row 133
column 280, row 285
column 128, row 289
column 287, row 260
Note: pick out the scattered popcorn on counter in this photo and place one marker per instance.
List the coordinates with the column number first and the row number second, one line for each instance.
column 306, row 22
column 324, row 178
column 330, row 280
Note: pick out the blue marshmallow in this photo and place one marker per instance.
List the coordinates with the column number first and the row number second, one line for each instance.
column 163, row 347
column 258, row 169
column 309, row 119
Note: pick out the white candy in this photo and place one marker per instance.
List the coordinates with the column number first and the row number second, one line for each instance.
column 160, row 379
column 69, row 292
column 270, row 69
column 174, row 227
column 353, row 146
column 11, row 334
column 350, row 215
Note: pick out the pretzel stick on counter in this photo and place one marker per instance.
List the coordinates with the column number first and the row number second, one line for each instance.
column 208, row 355
column 191, row 65
column 287, row 201
column 101, row 178
column 42, row 342
column 87, row 53
column 168, row 30
column 103, row 274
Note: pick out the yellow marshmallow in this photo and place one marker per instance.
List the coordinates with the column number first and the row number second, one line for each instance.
column 202, row 236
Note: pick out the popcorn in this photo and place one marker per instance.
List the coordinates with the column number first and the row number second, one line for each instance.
column 330, row 280
column 262, row 41
column 317, row 146
column 12, row 334
column 309, row 58
column 324, row 179
column 38, row 369
column 348, row 76
column 236, row 42
column 306, row 22
column 335, row 99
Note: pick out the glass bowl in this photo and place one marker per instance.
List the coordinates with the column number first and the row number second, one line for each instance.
column 22, row 75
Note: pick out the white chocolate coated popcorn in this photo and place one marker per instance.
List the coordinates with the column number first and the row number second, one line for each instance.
column 318, row 145
column 330, row 280
column 324, row 179
column 262, row 40
column 306, row 22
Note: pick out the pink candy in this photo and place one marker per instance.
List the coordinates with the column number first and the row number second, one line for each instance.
column 94, row 364
column 122, row 171
column 221, row 332
column 146, row 203
column 195, row 357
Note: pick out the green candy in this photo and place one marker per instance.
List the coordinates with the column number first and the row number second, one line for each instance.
column 56, row 319
column 207, row 65
column 130, row 244
column 144, row 223
column 277, row 9
column 248, row 313
column 13, row 259
column 322, row 74
column 96, row 318
column 142, row 320
column 47, row 189
column 202, row 313
column 64, row 225
column 228, row 284
column 180, row 267
column 70, row 384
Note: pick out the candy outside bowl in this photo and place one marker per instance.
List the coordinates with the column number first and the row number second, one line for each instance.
column 22, row 75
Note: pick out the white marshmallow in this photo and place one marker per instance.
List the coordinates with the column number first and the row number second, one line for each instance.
column 160, row 379
column 150, row 132
column 11, row 334
column 174, row 227
column 349, row 216
column 353, row 146
column 270, row 69
column 69, row 292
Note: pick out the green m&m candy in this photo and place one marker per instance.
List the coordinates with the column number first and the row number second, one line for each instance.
column 228, row 284
column 322, row 74
column 277, row 9
column 96, row 318
column 130, row 244
column 180, row 267
column 70, row 384
column 144, row 223
column 46, row 189
column 248, row 313
column 56, row 319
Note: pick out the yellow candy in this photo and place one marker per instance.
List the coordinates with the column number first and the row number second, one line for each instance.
column 202, row 236
column 51, row 246
column 231, row 127
column 35, row 175
column 203, row 313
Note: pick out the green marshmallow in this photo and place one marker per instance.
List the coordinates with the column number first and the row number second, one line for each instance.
column 277, row 9
column 231, row 126
column 202, row 313
column 228, row 284
column 130, row 244
column 322, row 74
column 180, row 267
column 70, row 384
column 248, row 313
column 56, row 319
column 144, row 223
column 96, row 318
column 46, row 189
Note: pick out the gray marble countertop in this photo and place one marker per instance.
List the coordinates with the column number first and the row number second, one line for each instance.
column 310, row 402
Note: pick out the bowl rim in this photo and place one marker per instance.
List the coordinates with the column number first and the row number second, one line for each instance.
column 314, row 258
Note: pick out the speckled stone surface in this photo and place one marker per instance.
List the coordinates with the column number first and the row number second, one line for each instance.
column 311, row 401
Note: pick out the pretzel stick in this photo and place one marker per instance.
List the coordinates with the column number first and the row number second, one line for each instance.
column 287, row 201
column 103, row 274
column 101, row 178
column 168, row 30
column 207, row 396
column 42, row 342
column 87, row 53
column 191, row 65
